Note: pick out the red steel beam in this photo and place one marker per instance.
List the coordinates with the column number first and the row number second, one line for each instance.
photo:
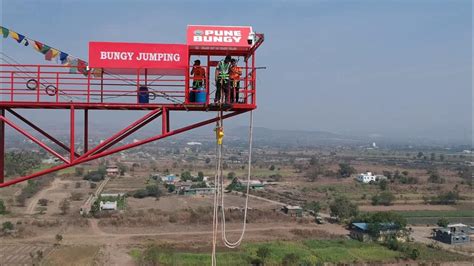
column 44, row 133
column 118, row 149
column 128, row 133
column 37, row 141
column 121, row 132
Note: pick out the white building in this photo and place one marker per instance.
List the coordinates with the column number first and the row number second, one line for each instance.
column 369, row 178
column 108, row 205
column 112, row 171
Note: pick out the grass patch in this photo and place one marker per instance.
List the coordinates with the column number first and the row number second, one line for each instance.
column 72, row 255
column 307, row 252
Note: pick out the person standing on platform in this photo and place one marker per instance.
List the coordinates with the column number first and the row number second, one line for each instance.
column 199, row 76
column 235, row 73
column 222, row 80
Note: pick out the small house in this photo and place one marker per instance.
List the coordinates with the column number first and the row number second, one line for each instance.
column 362, row 232
column 254, row 184
column 108, row 206
column 452, row 234
column 112, row 171
column 369, row 178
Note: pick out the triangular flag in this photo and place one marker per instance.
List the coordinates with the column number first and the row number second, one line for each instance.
column 82, row 66
column 20, row 38
column 63, row 57
column 14, row 35
column 5, row 32
column 26, row 43
column 97, row 72
column 49, row 55
column 55, row 53
column 45, row 49
column 38, row 46
column 73, row 66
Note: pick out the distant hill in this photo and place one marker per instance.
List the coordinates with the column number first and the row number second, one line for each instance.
column 291, row 137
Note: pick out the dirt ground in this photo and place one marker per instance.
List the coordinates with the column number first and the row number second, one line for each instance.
column 407, row 207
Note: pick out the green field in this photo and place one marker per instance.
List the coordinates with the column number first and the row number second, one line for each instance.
column 431, row 217
column 307, row 252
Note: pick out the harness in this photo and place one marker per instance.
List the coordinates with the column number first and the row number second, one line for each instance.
column 223, row 70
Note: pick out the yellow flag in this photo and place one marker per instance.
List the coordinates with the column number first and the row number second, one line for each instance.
column 55, row 53
column 14, row 35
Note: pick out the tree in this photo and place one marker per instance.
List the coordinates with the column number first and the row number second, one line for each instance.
column 443, row 222
column 405, row 173
column 313, row 206
column 231, row 175
column 435, row 177
column 186, row 176
column 343, row 208
column 263, row 253
column 58, row 238
column 419, row 155
column 272, row 167
column 200, row 175
column 208, row 160
column 384, row 198
column 387, row 174
column 7, row 226
column 3, row 209
column 383, row 184
column 43, row 202
column 153, row 191
column 345, row 170
column 123, row 168
column 171, row 188
column 64, row 206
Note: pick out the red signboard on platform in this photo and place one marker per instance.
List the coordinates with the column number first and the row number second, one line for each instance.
column 219, row 36
column 128, row 57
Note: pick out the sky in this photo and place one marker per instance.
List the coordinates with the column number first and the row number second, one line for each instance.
column 397, row 69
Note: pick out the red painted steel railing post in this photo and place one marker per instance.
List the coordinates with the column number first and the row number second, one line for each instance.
column 246, row 82
column 86, row 130
column 72, row 134
column 57, row 87
column 88, row 85
column 39, row 85
column 2, row 147
column 138, row 86
column 12, row 82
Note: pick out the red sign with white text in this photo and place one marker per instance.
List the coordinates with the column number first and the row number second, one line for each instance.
column 221, row 36
column 115, row 55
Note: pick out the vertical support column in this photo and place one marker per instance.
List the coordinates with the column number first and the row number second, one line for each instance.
column 208, row 79
column 2, row 147
column 38, row 88
column 168, row 121
column 254, row 78
column 86, row 130
column 72, row 134
column 164, row 120
column 101, row 88
column 186, row 82
column 246, row 82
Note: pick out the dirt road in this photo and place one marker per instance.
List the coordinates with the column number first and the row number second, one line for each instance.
column 33, row 202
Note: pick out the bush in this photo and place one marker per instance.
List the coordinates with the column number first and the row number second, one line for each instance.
column 231, row 175
column 343, row 208
column 64, row 206
column 443, row 222
column 95, row 176
column 43, row 202
column 263, row 253
column 141, row 193
column 385, row 198
column 7, row 226
column 448, row 198
column 345, row 170
column 3, row 209
column 92, row 185
column 383, row 184
column 290, row 259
